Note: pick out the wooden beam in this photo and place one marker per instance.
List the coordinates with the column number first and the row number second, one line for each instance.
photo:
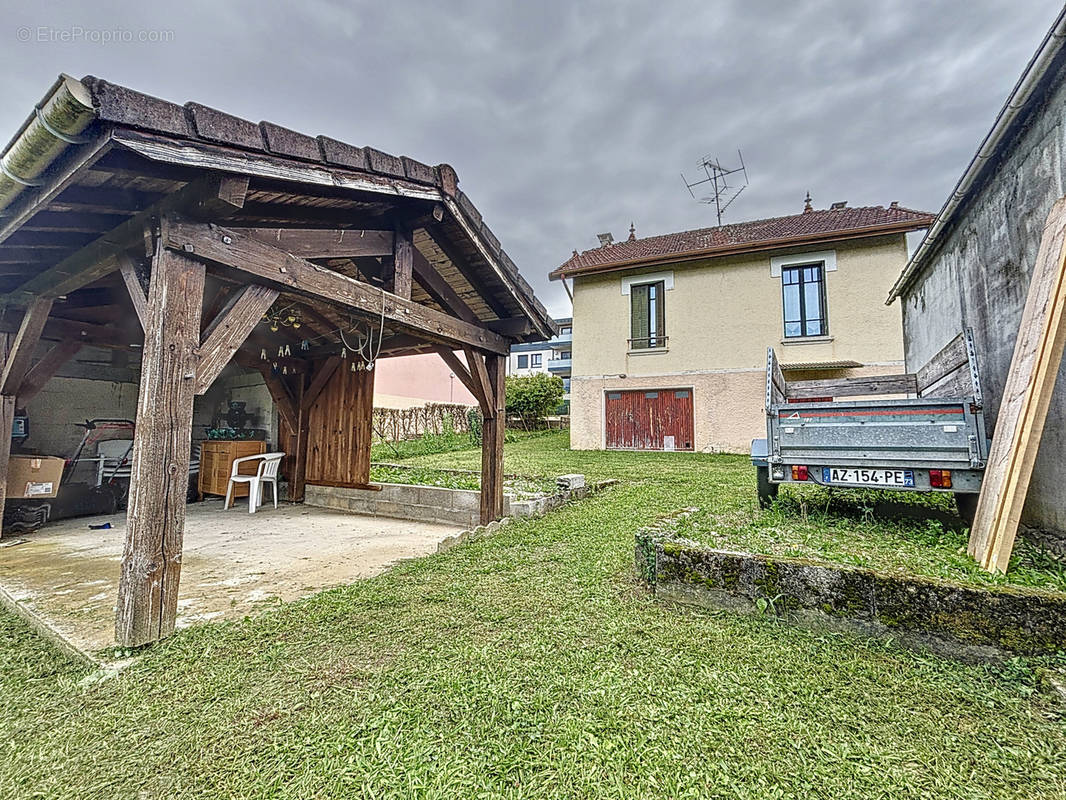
column 102, row 199
column 155, row 519
column 281, row 396
column 61, row 175
column 318, row 383
column 45, row 369
column 227, row 332
column 852, row 387
column 512, row 326
column 325, row 243
column 209, row 198
column 1026, row 398
column 493, row 431
column 399, row 282
column 128, row 270
column 479, row 376
column 58, row 330
column 462, row 264
column 230, row 247
column 462, row 373
column 24, row 345
column 440, row 290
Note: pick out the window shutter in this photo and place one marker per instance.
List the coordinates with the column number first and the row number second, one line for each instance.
column 639, row 328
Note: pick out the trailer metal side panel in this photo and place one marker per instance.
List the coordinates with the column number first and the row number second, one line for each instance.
column 937, row 433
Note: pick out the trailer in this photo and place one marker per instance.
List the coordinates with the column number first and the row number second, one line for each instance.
column 847, row 434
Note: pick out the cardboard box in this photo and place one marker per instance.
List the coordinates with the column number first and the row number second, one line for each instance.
column 34, row 477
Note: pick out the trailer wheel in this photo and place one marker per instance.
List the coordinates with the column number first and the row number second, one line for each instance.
column 967, row 505
column 767, row 490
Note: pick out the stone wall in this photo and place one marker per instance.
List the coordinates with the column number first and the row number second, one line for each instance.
column 980, row 276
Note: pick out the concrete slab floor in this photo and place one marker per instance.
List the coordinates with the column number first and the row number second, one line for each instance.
column 233, row 562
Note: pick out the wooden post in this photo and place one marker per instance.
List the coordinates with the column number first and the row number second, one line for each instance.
column 16, row 363
column 155, row 519
column 7, row 421
column 492, row 436
column 402, row 261
column 298, row 479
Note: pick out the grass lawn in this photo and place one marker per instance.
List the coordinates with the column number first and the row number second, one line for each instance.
column 888, row 531
column 527, row 665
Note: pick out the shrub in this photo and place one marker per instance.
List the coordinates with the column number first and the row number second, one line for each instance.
column 475, row 424
column 533, row 397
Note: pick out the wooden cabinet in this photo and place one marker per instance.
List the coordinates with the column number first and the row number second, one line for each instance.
column 216, row 464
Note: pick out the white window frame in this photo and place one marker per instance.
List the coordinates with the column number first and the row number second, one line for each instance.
column 827, row 257
column 650, row 277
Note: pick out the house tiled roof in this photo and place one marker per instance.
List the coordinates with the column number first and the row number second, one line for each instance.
column 762, row 234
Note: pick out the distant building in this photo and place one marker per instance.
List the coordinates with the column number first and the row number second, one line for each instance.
column 410, row 381
column 673, row 330
column 553, row 356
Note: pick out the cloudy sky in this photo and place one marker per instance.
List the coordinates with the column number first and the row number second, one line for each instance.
column 566, row 119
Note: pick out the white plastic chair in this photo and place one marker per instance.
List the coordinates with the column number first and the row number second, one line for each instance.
column 267, row 472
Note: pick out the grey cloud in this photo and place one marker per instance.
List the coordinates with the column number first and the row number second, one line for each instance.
column 565, row 119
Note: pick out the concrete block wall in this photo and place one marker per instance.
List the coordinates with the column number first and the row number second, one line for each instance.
column 405, row 501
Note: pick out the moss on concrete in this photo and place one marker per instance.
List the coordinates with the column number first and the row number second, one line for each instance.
column 1005, row 619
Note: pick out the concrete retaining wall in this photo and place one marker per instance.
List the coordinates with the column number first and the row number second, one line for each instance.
column 980, row 277
column 954, row 620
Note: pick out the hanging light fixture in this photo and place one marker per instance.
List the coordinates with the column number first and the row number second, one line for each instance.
column 288, row 317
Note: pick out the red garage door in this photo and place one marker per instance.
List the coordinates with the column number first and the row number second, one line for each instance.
column 659, row 419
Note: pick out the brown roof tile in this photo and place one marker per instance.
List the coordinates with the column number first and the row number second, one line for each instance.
column 809, row 227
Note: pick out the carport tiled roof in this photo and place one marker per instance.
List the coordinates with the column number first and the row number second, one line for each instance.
column 762, row 234
column 120, row 105
column 183, row 140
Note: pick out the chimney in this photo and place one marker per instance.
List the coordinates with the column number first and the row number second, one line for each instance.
column 807, row 207
column 632, row 232
column 606, row 239
column 894, row 204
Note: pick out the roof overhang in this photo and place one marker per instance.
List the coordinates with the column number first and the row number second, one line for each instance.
column 811, row 366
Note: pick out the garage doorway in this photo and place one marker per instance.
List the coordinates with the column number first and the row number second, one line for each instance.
column 649, row 419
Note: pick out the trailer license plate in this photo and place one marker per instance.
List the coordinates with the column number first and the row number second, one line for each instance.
column 869, row 477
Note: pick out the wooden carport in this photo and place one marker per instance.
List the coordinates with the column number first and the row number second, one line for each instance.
column 129, row 222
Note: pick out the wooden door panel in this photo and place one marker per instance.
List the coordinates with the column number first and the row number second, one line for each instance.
column 643, row 419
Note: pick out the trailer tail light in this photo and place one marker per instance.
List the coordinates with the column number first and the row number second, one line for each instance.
column 799, row 473
column 940, row 478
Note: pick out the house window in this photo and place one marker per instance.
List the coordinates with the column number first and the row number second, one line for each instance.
column 565, row 331
column 803, row 294
column 647, row 321
column 523, row 362
column 535, row 360
column 564, row 355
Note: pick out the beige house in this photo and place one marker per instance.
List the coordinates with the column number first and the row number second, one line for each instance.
column 670, row 332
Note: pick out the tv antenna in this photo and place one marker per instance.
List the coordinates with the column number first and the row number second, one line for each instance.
column 723, row 193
